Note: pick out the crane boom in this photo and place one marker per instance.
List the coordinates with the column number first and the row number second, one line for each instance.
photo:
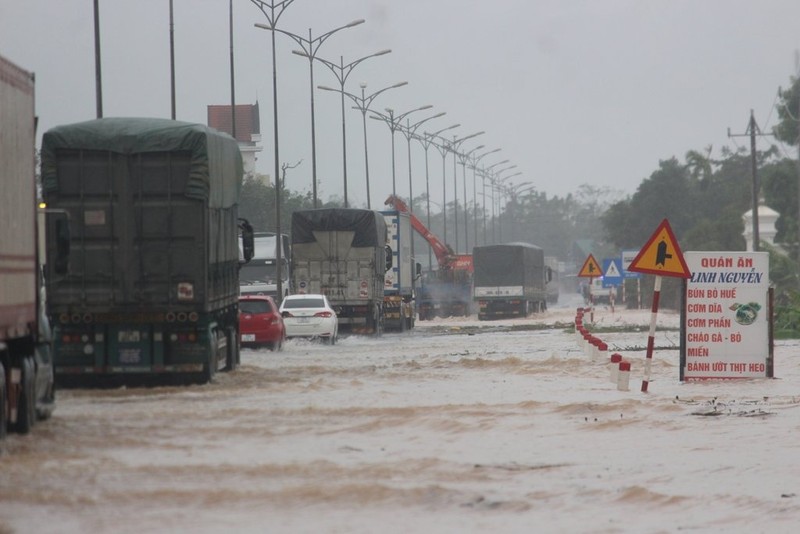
column 445, row 256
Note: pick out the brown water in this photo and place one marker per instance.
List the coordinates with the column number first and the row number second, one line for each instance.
column 438, row 430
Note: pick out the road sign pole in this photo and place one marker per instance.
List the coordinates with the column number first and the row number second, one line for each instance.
column 638, row 293
column 651, row 337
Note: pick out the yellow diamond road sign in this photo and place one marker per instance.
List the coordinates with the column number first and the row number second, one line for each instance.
column 661, row 255
column 590, row 268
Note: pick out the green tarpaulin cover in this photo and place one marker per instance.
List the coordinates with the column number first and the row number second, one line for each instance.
column 216, row 163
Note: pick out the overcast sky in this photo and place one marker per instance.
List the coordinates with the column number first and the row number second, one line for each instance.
column 572, row 91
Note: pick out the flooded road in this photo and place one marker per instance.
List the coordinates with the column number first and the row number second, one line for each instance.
column 457, row 426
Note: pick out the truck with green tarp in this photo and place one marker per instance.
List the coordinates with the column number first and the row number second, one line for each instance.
column 152, row 286
column 509, row 280
column 342, row 253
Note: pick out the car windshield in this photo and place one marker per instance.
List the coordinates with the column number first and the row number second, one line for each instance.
column 309, row 302
column 255, row 306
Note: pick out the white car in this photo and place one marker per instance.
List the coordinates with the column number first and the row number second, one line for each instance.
column 310, row 316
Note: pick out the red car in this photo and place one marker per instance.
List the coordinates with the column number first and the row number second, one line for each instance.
column 260, row 322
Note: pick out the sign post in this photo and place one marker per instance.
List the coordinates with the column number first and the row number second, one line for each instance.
column 612, row 278
column 590, row 270
column 660, row 256
column 627, row 258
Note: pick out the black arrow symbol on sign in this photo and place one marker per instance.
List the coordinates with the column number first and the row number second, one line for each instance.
column 661, row 253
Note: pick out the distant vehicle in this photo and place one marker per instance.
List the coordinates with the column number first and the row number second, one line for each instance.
column 260, row 322
column 310, row 316
column 341, row 253
column 447, row 291
column 510, row 280
column 554, row 285
column 600, row 294
column 260, row 276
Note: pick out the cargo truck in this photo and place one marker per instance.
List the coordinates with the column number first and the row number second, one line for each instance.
column 554, row 284
column 447, row 291
column 342, row 253
column 399, row 303
column 27, row 391
column 152, row 288
column 260, row 275
column 509, row 280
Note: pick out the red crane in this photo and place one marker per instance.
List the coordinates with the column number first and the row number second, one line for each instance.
column 447, row 259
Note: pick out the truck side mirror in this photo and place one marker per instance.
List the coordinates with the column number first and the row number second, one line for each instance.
column 549, row 274
column 61, row 262
column 248, row 242
column 389, row 257
column 418, row 270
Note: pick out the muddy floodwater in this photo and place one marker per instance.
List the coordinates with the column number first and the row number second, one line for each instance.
column 457, row 426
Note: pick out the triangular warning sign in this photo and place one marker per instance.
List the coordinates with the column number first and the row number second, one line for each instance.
column 590, row 268
column 612, row 271
column 661, row 255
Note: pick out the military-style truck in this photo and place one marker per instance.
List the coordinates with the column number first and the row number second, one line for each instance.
column 342, row 253
column 509, row 280
column 153, row 282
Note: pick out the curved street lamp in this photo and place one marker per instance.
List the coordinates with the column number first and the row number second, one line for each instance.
column 474, row 167
column 426, row 139
column 409, row 132
column 499, row 183
column 463, row 158
column 393, row 122
column 454, row 145
column 311, row 46
column 442, row 148
column 342, row 72
column 273, row 11
column 362, row 104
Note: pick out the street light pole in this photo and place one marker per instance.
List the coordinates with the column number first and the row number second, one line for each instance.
column 427, row 140
column 474, row 167
column 500, row 182
column 311, row 46
column 394, row 123
column 273, row 11
column 409, row 132
column 342, row 72
column 363, row 104
column 463, row 159
column 454, row 146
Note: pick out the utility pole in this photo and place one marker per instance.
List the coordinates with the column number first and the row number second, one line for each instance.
column 98, row 77
column 752, row 131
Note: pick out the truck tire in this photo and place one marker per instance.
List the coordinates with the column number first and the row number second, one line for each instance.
column 3, row 419
column 210, row 367
column 26, row 406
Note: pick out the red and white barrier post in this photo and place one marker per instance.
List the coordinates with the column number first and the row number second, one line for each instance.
column 651, row 336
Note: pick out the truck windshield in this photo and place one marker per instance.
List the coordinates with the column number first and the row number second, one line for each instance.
column 260, row 271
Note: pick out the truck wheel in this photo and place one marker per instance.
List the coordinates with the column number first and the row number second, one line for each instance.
column 3, row 419
column 26, row 406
